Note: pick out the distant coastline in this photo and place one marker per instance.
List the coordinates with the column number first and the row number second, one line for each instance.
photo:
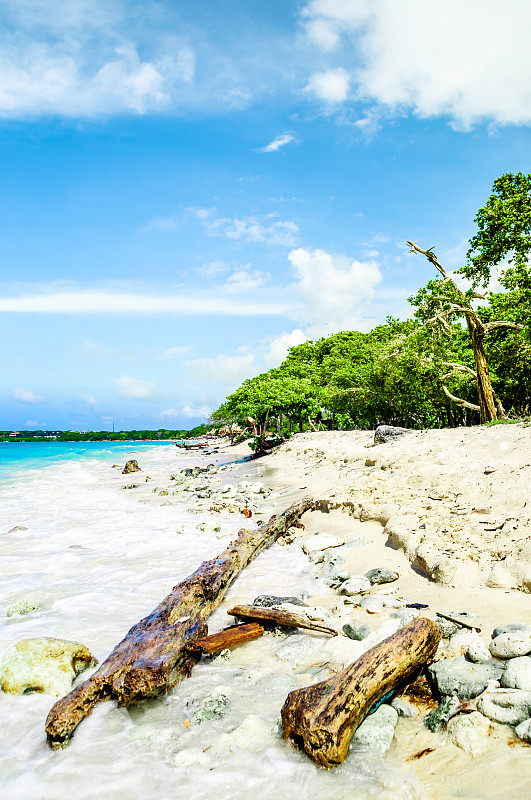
column 159, row 435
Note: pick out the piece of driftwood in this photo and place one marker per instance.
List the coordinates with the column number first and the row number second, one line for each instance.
column 322, row 718
column 459, row 622
column 230, row 637
column 152, row 657
column 278, row 617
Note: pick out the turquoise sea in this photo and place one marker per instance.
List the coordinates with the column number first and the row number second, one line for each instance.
column 18, row 457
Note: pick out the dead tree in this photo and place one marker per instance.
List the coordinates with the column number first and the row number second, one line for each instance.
column 321, row 719
column 489, row 407
column 153, row 656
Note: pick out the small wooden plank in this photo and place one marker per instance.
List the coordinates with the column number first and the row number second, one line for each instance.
column 278, row 617
column 226, row 639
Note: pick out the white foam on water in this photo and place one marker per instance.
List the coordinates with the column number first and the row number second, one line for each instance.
column 99, row 560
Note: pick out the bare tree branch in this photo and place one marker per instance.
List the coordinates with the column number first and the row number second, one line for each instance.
column 460, row 368
column 459, row 402
column 489, row 326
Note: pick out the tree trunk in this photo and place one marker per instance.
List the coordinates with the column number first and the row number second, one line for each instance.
column 487, row 407
column 321, row 719
column 153, row 656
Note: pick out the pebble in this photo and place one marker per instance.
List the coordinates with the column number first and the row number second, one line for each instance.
column 478, row 652
column 511, row 644
column 381, row 575
column 372, row 605
column 517, row 674
column 470, row 732
column 321, row 541
column 377, row 730
column 456, row 676
column 523, row 730
column 22, row 607
column 354, row 632
column 355, row 585
column 508, row 706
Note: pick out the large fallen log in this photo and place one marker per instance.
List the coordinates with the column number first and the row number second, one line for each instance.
column 277, row 616
column 321, row 719
column 152, row 657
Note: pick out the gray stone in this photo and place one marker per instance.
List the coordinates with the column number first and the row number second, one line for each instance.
column 448, row 629
column 470, row 732
column 43, row 665
column 214, row 706
column 461, row 641
column 405, row 615
column 437, row 719
column 372, row 605
column 131, row 466
column 478, row 652
column 337, row 578
column 355, row 585
column 381, row 575
column 354, row 632
column 517, row 674
column 512, row 627
column 511, row 644
column 377, row 730
column 388, row 433
column 456, row 676
column 270, row 600
column 298, row 649
column 508, row 706
column 404, row 708
column 523, row 730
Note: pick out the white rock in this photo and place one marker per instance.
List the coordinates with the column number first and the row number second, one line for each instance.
column 252, row 734
column 469, row 732
column 460, row 642
column 190, row 756
column 523, row 731
column 478, row 652
column 44, row 665
column 322, row 541
column 355, row 585
column 510, row 645
column 344, row 651
column 508, row 706
column 377, row 730
column 517, row 674
column 372, row 605
column 299, row 649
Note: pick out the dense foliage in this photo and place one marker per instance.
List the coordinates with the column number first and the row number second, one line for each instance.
column 394, row 374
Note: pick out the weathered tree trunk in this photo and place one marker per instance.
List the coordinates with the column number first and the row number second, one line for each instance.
column 322, row 718
column 487, row 407
column 153, row 656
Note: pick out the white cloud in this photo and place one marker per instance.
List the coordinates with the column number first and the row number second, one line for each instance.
column 93, row 349
column 277, row 143
column 332, row 86
column 261, row 229
column 279, row 346
column 104, row 302
column 134, row 389
column 27, row 396
column 31, row 423
column 162, row 224
column 223, row 370
column 176, row 352
column 88, row 398
column 468, row 61
column 196, row 412
column 245, row 280
column 332, row 289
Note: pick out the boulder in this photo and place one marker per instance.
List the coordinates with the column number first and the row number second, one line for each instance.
column 44, row 665
column 512, row 627
column 508, row 706
column 377, row 730
column 517, row 674
column 131, row 466
column 389, row 433
column 523, row 730
column 470, row 732
column 511, row 644
column 355, row 585
column 456, row 676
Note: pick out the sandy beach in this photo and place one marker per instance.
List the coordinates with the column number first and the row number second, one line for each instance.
column 446, row 510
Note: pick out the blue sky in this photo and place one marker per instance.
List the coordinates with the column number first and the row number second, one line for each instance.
column 189, row 189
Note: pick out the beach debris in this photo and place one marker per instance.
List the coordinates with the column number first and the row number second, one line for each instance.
column 225, row 639
column 321, row 719
column 389, row 433
column 456, row 621
column 44, row 665
column 18, row 528
column 131, row 466
column 277, row 616
column 152, row 657
column 416, row 605
column 247, row 512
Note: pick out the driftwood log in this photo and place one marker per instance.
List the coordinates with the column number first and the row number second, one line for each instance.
column 225, row 639
column 278, row 616
column 153, row 657
column 321, row 719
